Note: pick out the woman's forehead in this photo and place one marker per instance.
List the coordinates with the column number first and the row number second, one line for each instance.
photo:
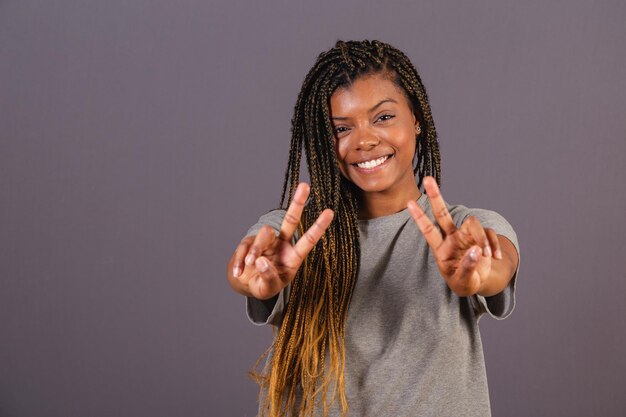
column 365, row 92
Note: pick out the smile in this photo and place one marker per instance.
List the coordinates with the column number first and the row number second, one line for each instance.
column 373, row 163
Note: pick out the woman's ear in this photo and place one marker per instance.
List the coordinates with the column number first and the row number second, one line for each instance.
column 416, row 122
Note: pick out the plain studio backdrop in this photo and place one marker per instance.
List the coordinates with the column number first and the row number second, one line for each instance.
column 140, row 139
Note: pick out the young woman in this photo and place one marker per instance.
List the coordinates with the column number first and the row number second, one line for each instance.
column 375, row 288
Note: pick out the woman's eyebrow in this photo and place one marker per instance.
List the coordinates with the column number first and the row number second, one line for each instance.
column 387, row 100
column 380, row 103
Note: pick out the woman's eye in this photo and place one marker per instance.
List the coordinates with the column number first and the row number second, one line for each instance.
column 385, row 117
column 340, row 130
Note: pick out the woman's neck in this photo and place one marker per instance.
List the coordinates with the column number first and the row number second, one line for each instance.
column 372, row 205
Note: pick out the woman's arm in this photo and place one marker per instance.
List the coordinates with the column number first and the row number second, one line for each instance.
column 502, row 270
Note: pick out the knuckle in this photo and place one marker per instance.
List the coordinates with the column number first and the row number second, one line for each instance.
column 442, row 213
column 291, row 219
column 310, row 238
column 265, row 229
column 263, row 274
column 270, row 276
column 318, row 226
column 428, row 229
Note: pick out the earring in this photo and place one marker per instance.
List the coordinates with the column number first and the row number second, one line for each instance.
column 418, row 129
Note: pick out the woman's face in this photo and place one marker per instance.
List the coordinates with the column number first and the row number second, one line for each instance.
column 375, row 132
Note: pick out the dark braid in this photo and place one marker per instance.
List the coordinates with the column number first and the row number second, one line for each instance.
column 308, row 351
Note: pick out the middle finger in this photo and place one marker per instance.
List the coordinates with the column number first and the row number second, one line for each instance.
column 294, row 212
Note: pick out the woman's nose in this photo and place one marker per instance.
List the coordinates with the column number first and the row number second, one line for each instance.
column 367, row 140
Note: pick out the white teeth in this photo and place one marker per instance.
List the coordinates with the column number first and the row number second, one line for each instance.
column 373, row 163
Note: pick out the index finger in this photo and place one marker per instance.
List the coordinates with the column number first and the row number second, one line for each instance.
column 294, row 212
column 440, row 211
column 430, row 232
column 310, row 238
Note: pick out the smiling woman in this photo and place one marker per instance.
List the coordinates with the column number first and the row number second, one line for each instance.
column 375, row 132
column 375, row 288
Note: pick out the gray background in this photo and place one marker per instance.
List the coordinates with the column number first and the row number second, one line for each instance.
column 140, row 139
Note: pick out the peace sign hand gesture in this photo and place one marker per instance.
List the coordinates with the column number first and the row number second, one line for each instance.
column 470, row 257
column 264, row 264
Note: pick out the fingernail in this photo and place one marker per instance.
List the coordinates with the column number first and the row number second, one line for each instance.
column 498, row 254
column 487, row 251
column 249, row 259
column 473, row 254
column 236, row 272
column 262, row 265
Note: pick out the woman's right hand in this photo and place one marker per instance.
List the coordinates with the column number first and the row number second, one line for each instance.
column 264, row 264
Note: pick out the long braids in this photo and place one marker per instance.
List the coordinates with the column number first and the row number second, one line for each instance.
column 306, row 368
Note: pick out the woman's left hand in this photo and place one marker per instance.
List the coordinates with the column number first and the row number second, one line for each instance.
column 464, row 255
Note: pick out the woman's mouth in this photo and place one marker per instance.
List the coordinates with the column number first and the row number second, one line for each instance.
column 373, row 163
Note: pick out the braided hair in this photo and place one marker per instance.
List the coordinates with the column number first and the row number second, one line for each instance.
column 306, row 367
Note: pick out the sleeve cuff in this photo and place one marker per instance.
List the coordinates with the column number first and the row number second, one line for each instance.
column 262, row 312
column 499, row 306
